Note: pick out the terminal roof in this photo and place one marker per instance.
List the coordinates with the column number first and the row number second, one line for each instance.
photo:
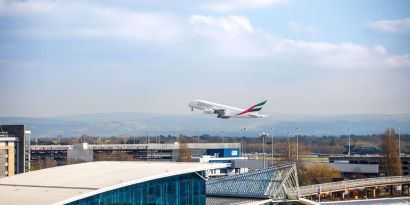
column 72, row 182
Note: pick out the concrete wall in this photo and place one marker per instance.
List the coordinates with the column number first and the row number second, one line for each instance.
column 80, row 152
column 356, row 168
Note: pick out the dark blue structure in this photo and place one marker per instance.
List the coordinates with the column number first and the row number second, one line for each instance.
column 227, row 152
column 361, row 150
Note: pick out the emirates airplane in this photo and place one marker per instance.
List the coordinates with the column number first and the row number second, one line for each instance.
column 224, row 111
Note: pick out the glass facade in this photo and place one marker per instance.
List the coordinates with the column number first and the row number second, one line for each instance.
column 176, row 190
column 27, row 144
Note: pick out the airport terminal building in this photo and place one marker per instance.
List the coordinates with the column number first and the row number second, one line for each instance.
column 141, row 152
column 110, row 183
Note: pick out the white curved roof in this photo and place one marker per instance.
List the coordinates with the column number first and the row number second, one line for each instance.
column 68, row 183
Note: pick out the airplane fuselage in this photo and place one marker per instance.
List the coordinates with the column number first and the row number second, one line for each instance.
column 222, row 111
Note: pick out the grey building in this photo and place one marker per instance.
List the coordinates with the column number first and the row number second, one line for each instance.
column 368, row 165
column 14, row 150
column 121, row 152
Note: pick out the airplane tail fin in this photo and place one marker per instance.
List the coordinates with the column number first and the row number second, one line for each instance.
column 255, row 108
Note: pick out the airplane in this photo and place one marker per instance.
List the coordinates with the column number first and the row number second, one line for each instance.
column 225, row 112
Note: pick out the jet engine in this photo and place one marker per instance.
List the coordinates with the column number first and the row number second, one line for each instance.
column 225, row 115
column 209, row 111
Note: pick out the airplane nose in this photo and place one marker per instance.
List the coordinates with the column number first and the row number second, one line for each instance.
column 190, row 104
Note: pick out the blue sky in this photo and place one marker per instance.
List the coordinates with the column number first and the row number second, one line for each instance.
column 305, row 57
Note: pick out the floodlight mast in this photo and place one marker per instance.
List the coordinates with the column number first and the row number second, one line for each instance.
column 348, row 130
column 399, row 144
column 264, row 135
column 297, row 144
column 271, row 132
column 288, row 145
column 244, row 149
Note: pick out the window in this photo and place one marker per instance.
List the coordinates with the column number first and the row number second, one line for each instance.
column 178, row 190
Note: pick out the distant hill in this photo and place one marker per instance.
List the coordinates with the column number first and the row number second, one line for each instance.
column 112, row 124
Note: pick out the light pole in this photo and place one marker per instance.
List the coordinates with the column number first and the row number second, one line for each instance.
column 243, row 147
column 242, row 143
column 271, row 132
column 297, row 144
column 264, row 135
column 348, row 130
column 399, row 144
column 288, row 145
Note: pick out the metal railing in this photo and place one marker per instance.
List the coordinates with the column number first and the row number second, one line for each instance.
column 352, row 184
column 51, row 147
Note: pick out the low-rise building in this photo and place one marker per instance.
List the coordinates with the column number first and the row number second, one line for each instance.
column 366, row 165
column 226, row 171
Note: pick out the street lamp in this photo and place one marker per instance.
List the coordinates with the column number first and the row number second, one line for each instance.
column 271, row 132
column 243, row 147
column 297, row 144
column 348, row 130
column 399, row 144
column 288, row 145
column 264, row 135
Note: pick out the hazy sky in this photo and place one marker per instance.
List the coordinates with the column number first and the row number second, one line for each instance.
column 305, row 57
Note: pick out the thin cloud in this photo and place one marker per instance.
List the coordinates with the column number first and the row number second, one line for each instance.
column 340, row 56
column 232, row 5
column 228, row 24
column 67, row 19
column 236, row 36
column 27, row 7
column 139, row 26
column 229, row 36
column 310, row 31
column 398, row 26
